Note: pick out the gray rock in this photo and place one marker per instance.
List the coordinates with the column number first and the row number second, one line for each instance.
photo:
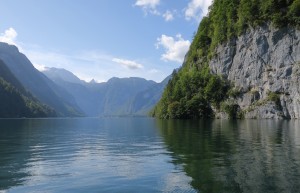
column 263, row 60
column 266, row 111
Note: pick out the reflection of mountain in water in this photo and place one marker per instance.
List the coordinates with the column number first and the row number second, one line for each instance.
column 27, row 149
column 13, row 158
column 86, row 155
column 236, row 156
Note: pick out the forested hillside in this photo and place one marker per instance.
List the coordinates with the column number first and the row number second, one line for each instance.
column 37, row 83
column 15, row 101
column 195, row 92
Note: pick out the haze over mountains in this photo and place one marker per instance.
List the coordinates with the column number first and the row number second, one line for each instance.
column 37, row 83
column 116, row 97
column 67, row 95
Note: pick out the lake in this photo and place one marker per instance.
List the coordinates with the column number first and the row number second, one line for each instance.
column 148, row 155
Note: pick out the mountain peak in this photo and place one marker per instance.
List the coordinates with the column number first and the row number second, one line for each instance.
column 61, row 74
column 9, row 47
column 93, row 81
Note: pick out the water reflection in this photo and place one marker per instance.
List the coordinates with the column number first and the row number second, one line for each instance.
column 86, row 155
column 236, row 156
column 148, row 155
column 13, row 157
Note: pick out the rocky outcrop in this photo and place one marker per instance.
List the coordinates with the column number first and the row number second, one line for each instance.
column 264, row 66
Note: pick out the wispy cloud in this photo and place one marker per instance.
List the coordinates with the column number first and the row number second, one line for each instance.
column 168, row 16
column 196, row 9
column 86, row 64
column 149, row 6
column 175, row 48
column 93, row 64
column 132, row 65
column 154, row 71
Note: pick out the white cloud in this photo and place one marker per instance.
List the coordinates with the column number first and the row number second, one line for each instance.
column 175, row 48
column 128, row 63
column 9, row 36
column 147, row 3
column 168, row 16
column 196, row 9
column 149, row 6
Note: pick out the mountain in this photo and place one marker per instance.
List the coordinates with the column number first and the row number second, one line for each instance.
column 60, row 74
column 244, row 62
column 84, row 94
column 116, row 97
column 119, row 94
column 145, row 101
column 37, row 83
column 15, row 101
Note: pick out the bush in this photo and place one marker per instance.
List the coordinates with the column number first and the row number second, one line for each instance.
column 231, row 109
column 234, row 92
column 274, row 97
column 294, row 13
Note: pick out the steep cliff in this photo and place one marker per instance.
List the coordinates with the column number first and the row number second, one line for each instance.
column 264, row 66
column 243, row 63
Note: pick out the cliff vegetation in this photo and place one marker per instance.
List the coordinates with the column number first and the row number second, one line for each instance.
column 195, row 92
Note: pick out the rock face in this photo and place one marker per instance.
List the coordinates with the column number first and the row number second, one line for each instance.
column 264, row 61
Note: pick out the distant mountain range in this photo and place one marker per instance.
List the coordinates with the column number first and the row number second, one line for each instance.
column 58, row 92
column 116, row 97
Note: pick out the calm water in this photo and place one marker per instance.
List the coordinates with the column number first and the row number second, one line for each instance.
column 148, row 155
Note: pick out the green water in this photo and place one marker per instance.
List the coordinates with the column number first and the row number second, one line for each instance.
column 148, row 155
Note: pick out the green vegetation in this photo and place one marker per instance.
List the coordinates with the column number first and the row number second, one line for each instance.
column 15, row 101
column 190, row 94
column 234, row 92
column 193, row 90
column 15, row 104
column 193, row 144
column 232, row 109
column 229, row 18
column 274, row 97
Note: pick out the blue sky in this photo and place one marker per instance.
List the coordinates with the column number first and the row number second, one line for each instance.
column 100, row 39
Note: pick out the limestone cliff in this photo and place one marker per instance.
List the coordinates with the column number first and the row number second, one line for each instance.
column 243, row 61
column 263, row 64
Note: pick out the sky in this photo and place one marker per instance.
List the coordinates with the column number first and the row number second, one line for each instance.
column 101, row 39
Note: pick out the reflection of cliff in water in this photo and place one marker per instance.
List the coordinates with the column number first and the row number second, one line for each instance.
column 236, row 156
